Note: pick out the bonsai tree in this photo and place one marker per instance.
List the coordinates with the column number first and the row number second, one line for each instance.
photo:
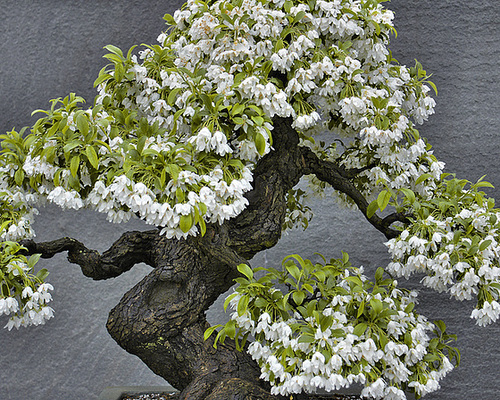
column 205, row 136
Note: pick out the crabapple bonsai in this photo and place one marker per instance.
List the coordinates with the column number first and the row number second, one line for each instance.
column 205, row 136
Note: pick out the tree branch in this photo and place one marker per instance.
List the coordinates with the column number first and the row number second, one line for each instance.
column 338, row 178
column 132, row 248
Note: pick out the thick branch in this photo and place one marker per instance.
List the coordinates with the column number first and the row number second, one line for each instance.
column 259, row 226
column 338, row 178
column 132, row 248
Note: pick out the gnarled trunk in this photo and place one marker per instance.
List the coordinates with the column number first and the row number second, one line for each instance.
column 162, row 319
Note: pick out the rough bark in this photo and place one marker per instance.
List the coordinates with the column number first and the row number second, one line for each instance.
column 162, row 318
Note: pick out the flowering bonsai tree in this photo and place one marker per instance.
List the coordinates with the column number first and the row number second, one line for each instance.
column 205, row 136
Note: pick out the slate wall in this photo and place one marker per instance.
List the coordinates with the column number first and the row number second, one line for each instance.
column 53, row 47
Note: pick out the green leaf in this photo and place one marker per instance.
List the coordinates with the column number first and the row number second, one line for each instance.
column 238, row 120
column 298, row 297
column 4, row 226
column 246, row 270
column 360, row 329
column 179, row 195
column 33, row 260
column 383, row 339
column 221, row 336
column 169, row 19
column 345, row 45
column 441, row 325
column 299, row 16
column 320, row 275
column 117, row 60
column 260, row 302
column 377, row 306
column 433, row 85
column 479, row 199
column 237, row 109
column 260, row 143
column 258, row 120
column 345, row 258
column 308, row 287
column 230, row 328
column 409, row 194
column 293, row 270
column 307, row 338
column 431, row 357
column 172, row 96
column 74, row 165
column 114, row 50
column 372, row 209
column 484, row 244
column 103, row 76
column 71, row 145
column 361, row 309
column 210, row 330
column 408, row 339
column 19, row 176
column 42, row 274
column 339, row 332
column 226, row 18
column 422, row 178
column 186, row 222
column 383, row 199
column 242, row 305
column 409, row 308
column 92, row 156
column 207, row 100
column 355, row 279
column 82, row 124
column 484, row 184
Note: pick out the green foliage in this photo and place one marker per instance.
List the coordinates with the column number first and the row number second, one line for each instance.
column 306, row 308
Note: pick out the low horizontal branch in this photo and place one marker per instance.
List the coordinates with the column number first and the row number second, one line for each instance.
column 132, row 248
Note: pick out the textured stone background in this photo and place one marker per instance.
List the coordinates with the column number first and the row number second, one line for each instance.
column 53, row 47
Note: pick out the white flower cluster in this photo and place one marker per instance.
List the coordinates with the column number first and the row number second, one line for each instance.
column 332, row 341
column 215, row 195
column 217, row 142
column 459, row 254
column 372, row 100
column 17, row 212
column 33, row 309
column 222, row 201
column 23, row 295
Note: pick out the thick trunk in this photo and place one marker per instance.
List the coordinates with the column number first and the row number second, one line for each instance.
column 162, row 319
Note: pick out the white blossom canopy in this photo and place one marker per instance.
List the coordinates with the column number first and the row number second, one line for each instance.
column 175, row 132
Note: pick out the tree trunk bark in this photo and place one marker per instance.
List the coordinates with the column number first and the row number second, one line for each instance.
column 162, row 319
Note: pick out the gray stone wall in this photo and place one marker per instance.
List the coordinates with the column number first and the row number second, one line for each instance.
column 53, row 47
